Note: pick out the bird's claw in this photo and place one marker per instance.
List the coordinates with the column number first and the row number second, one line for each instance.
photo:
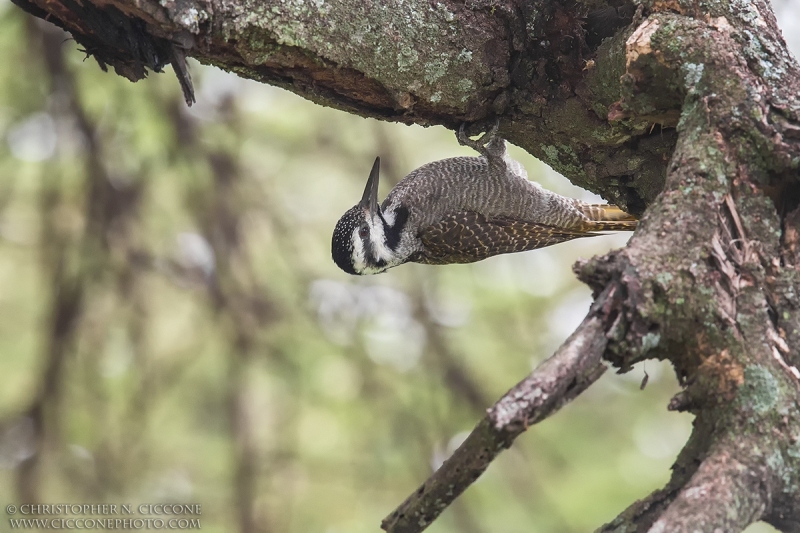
column 479, row 144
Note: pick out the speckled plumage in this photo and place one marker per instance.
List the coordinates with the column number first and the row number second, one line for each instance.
column 468, row 237
column 461, row 210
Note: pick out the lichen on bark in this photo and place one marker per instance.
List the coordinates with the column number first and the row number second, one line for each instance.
column 684, row 113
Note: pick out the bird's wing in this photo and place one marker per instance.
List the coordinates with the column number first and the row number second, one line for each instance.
column 468, row 237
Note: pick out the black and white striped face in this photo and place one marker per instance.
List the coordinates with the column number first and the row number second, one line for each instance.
column 359, row 244
column 363, row 241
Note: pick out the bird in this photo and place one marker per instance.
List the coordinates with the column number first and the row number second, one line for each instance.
column 462, row 210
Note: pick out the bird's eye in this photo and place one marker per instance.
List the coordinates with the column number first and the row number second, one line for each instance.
column 363, row 232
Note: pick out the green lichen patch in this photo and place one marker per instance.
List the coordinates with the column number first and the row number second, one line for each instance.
column 650, row 341
column 412, row 46
column 760, row 391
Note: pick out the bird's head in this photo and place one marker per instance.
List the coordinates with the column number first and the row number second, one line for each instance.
column 363, row 242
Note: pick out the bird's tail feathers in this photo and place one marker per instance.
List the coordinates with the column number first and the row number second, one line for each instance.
column 605, row 213
column 610, row 225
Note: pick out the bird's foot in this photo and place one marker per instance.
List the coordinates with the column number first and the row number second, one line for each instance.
column 480, row 144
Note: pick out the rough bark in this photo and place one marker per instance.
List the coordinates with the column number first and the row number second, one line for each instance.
column 684, row 112
column 540, row 65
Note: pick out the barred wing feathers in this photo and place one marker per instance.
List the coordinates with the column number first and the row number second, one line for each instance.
column 468, row 237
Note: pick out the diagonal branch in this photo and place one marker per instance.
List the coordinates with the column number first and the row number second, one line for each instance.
column 557, row 381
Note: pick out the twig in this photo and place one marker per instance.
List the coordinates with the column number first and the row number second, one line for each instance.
column 572, row 368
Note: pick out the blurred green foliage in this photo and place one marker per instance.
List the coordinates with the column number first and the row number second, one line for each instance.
column 172, row 328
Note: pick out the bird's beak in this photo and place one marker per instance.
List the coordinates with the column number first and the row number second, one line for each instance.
column 370, row 198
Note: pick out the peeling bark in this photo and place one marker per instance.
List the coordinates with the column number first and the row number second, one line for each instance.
column 684, row 112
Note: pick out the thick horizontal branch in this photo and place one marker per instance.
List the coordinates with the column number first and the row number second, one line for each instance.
column 571, row 370
column 548, row 70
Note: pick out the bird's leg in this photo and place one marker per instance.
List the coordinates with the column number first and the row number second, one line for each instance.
column 482, row 143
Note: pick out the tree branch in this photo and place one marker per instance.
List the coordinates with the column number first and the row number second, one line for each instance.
column 414, row 62
column 709, row 281
column 557, row 381
column 725, row 494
